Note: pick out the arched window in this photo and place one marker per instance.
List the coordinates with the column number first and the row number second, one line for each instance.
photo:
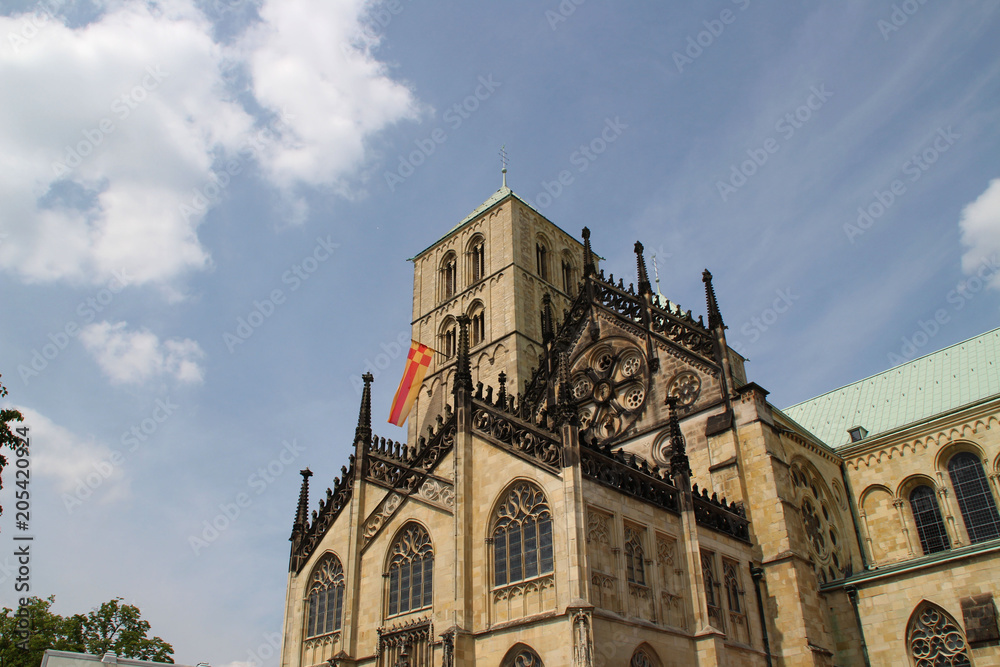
column 522, row 535
column 933, row 638
column 979, row 511
column 326, row 597
column 568, row 276
column 477, row 321
column 411, row 571
column 641, row 659
column 449, row 276
column 477, row 259
column 521, row 656
column 634, row 559
column 927, row 516
column 448, row 335
column 712, row 599
column 541, row 260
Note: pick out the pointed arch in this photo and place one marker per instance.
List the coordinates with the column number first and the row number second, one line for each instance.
column 448, row 337
column 644, row 656
column 325, row 596
column 521, row 530
column 521, row 655
column 410, row 569
column 934, row 637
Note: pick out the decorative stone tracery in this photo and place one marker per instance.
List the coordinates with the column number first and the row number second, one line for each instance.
column 934, row 638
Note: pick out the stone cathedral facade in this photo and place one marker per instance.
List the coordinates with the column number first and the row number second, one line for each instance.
column 590, row 479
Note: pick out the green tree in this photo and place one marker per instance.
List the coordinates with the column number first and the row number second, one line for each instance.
column 33, row 628
column 8, row 437
column 27, row 632
column 120, row 628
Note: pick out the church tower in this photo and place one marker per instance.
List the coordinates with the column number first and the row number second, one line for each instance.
column 496, row 267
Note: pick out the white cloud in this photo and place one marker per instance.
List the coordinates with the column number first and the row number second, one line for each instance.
column 80, row 467
column 119, row 124
column 132, row 357
column 310, row 59
column 980, row 224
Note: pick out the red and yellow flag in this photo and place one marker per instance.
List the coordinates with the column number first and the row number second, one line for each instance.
column 417, row 362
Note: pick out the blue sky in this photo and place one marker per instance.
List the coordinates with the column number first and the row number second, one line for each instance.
column 168, row 169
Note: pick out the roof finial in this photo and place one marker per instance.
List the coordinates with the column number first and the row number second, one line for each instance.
column 640, row 263
column 588, row 254
column 503, row 163
column 363, row 432
column 714, row 316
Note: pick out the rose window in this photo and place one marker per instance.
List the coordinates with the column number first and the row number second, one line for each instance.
column 685, row 387
column 819, row 523
column 610, row 384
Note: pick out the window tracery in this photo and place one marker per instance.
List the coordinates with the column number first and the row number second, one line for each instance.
column 641, row 659
column 326, row 597
column 522, row 656
column 819, row 522
column 610, row 384
column 935, row 640
column 635, row 570
column 411, row 571
column 522, row 536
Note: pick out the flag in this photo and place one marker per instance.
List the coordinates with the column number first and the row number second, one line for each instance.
column 417, row 362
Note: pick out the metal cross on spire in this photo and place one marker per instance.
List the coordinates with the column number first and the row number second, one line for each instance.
column 503, row 163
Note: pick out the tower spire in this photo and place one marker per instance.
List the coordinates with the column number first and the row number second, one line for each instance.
column 640, row 263
column 714, row 317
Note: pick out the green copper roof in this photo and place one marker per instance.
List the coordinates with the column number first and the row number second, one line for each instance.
column 951, row 378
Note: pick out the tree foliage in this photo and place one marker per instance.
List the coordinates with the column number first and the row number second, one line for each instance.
column 8, row 438
column 26, row 633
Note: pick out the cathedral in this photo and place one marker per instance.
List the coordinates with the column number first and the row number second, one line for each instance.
column 590, row 479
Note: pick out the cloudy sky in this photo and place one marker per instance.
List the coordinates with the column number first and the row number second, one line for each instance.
column 206, row 208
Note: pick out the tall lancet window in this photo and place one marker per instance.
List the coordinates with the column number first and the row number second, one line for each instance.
column 326, row 597
column 522, row 536
column 411, row 571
